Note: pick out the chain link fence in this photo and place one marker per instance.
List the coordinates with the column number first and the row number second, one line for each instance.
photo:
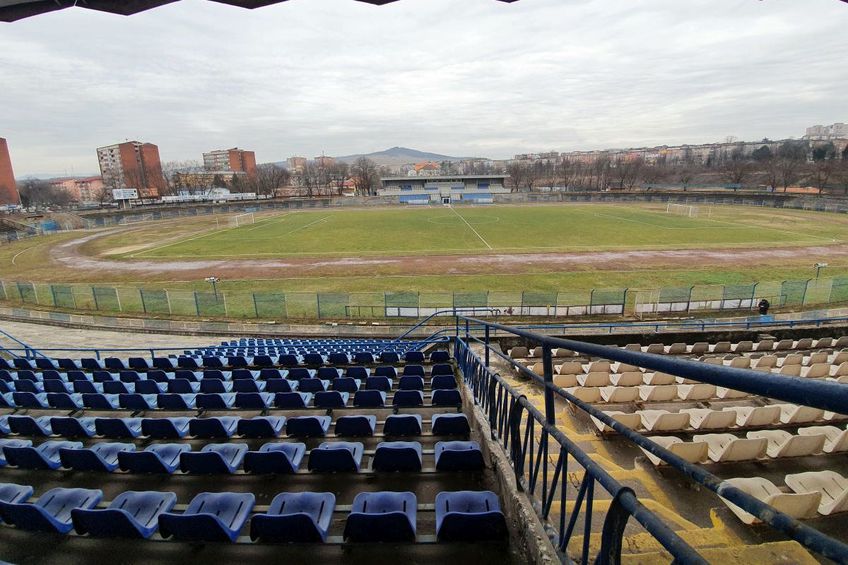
column 409, row 304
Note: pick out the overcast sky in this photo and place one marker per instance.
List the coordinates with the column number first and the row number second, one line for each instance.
column 460, row 77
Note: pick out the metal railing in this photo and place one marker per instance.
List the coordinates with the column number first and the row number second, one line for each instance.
column 820, row 394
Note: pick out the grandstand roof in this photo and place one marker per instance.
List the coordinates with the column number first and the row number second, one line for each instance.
column 12, row 10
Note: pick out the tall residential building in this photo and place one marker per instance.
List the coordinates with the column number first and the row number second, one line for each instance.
column 132, row 164
column 324, row 162
column 833, row 131
column 297, row 164
column 8, row 187
column 235, row 160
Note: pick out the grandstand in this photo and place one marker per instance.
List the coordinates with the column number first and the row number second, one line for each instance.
column 414, row 449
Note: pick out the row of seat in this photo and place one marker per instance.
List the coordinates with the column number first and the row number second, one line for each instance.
column 648, row 393
column 764, row 444
column 212, row 384
column 825, row 492
column 228, row 458
column 727, row 418
column 291, row 517
column 358, row 425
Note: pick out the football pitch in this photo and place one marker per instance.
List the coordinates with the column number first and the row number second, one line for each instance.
column 476, row 230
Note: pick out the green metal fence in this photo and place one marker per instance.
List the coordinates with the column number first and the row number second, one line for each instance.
column 161, row 302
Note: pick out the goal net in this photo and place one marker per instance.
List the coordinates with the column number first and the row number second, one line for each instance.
column 683, row 210
column 241, row 220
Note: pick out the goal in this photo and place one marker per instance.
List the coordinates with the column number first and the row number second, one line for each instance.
column 241, row 220
column 683, row 210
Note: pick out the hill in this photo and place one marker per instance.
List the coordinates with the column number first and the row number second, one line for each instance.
column 399, row 156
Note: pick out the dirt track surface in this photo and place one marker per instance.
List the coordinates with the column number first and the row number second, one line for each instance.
column 68, row 254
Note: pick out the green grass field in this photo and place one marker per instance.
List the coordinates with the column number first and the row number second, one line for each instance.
column 402, row 231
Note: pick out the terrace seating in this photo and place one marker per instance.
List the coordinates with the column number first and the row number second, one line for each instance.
column 832, row 486
column 469, row 516
column 295, row 517
column 131, row 514
column 382, row 517
column 209, row 517
column 797, row 505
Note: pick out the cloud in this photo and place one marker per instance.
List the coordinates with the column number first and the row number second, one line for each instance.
column 475, row 77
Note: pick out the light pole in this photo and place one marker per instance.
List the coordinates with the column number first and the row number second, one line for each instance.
column 214, row 282
column 819, row 267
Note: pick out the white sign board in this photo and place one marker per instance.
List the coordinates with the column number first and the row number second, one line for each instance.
column 124, row 194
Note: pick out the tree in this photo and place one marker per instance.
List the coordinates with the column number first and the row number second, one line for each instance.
column 171, row 179
column 790, row 159
column 841, row 174
column 269, row 178
column 338, row 174
column 37, row 193
column 761, row 154
column 516, row 173
column 366, row 176
column 736, row 168
column 684, row 175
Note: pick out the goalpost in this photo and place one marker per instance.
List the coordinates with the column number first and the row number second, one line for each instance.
column 685, row 210
column 240, row 220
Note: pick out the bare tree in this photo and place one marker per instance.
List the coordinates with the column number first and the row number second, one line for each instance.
column 171, row 179
column 269, row 179
column 736, row 168
column 684, row 175
column 790, row 160
column 37, row 193
column 366, row 176
column 338, row 174
column 841, row 174
column 516, row 172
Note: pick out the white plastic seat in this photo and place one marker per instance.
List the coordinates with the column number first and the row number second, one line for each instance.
column 699, row 348
column 585, row 393
column 841, row 342
column 792, row 359
column 743, row 347
column 536, row 352
column 796, row 414
column 619, row 393
column 599, row 367
column 818, row 357
column 791, row 370
column 701, row 391
column 565, row 380
column 836, row 440
column 804, row 343
column 629, row 419
column 538, row 368
column 783, row 444
column 655, row 348
column 764, row 361
column 816, row 371
column 663, row 420
column 832, row 486
column 764, row 345
column 624, row 368
column 841, row 369
column 797, row 505
column 706, row 419
column 677, row 349
column 633, row 347
column 750, row 416
column 724, row 448
column 519, row 353
column 691, row 451
column 560, row 352
column 659, row 378
column 657, row 393
column 824, row 342
column 630, row 378
column 726, row 393
column 713, row 360
column 743, row 363
column 784, row 345
column 722, row 347
column 595, row 378
column 834, row 416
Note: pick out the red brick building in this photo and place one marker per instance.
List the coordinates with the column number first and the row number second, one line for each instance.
column 132, row 164
column 8, row 187
column 233, row 160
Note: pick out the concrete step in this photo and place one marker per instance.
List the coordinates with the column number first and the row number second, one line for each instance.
column 772, row 552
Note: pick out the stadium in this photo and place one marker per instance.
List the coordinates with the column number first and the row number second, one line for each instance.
column 633, row 376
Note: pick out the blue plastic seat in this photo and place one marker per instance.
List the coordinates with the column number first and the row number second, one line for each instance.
column 443, row 382
column 4, row 425
column 402, row 425
column 441, row 369
column 295, row 517
column 183, row 386
column 280, row 385
column 52, row 511
column 214, row 375
column 164, row 363
column 397, row 456
column 214, row 458
column 10, row 492
column 150, row 386
column 300, row 373
column 213, row 363
column 288, row 360
column 261, row 426
column 133, row 401
column 215, row 427
column 27, row 375
column 413, row 371
column 338, row 358
column 263, row 361
column 413, row 357
column 363, row 357
column 91, row 364
column 346, row 384
column 22, row 363
column 57, row 386
column 275, row 458
column 68, row 364
column 188, row 363
column 369, row 398
column 331, row 399
column 439, row 356
column 313, row 359
column 186, row 375
column 308, row 426
column 99, row 401
column 29, row 426
column 156, row 458
column 165, row 428
column 382, row 517
column 459, row 456
column 118, row 427
column 11, row 443
column 254, row 400
column 446, row 397
column 411, row 382
column 248, row 385
column 103, row 376
column 99, row 457
column 44, row 363
column 45, row 456
column 30, row 399
column 381, row 383
column 114, row 364
column 312, row 385
column 34, row 387
column 131, row 515
column 243, row 375
column 209, row 517
column 469, row 516
column 338, row 456
column 171, row 401
column 356, row 426
column 215, row 386
column 74, row 376
column 129, row 377
column 408, row 398
column 389, row 357
column 271, row 374
column 216, row 401
column 115, row 387
column 292, row 399
column 84, row 386
column 450, row 425
column 386, row 371
column 67, row 426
